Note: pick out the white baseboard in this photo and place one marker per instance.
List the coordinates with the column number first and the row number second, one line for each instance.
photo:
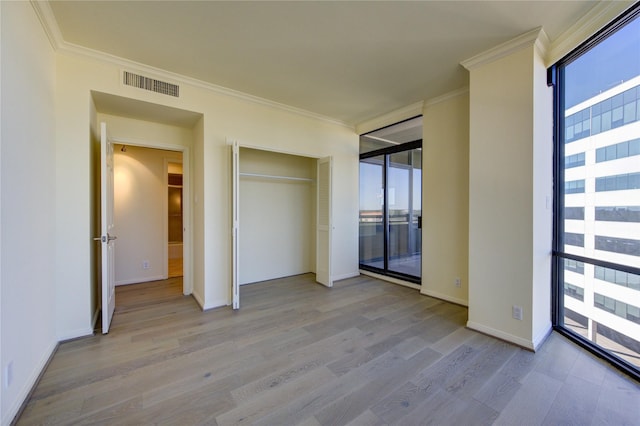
column 218, row 304
column 199, row 300
column 141, row 280
column 345, row 276
column 24, row 392
column 212, row 305
column 74, row 334
column 95, row 318
column 390, row 279
column 444, row 297
column 541, row 337
column 527, row 344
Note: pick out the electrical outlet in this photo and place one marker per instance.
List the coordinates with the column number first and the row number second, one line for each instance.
column 516, row 312
column 8, row 375
column 145, row 264
column 457, row 282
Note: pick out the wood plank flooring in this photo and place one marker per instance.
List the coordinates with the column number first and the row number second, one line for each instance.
column 362, row 353
column 175, row 267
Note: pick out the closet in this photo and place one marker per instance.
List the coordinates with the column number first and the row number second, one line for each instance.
column 277, row 212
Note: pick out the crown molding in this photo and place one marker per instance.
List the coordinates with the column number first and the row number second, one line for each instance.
column 542, row 43
column 48, row 22
column 535, row 37
column 50, row 26
column 389, row 118
column 446, row 96
column 75, row 50
column 595, row 19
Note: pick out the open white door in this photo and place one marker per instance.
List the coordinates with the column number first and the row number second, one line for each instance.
column 106, row 220
column 324, row 223
column 235, row 231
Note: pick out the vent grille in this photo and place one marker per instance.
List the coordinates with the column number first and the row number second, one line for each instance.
column 151, row 84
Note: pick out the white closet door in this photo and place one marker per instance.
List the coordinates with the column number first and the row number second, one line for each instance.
column 324, row 223
column 235, row 178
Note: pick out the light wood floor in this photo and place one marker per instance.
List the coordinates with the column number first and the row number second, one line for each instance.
column 363, row 353
column 175, row 267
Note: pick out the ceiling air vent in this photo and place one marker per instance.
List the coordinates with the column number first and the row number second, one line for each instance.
column 151, row 84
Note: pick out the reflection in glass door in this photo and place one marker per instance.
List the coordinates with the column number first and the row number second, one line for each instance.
column 405, row 212
column 372, row 241
column 391, row 210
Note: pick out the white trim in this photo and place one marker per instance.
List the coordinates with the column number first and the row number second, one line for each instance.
column 390, row 118
column 50, row 25
column 445, row 97
column 80, row 332
column 444, row 297
column 142, row 143
column 216, row 304
column 595, row 19
column 504, row 49
column 141, row 280
column 541, row 337
column 542, row 43
column 241, row 144
column 390, row 279
column 94, row 322
column 198, row 299
column 527, row 344
column 46, row 17
column 345, row 276
column 275, row 177
column 29, row 384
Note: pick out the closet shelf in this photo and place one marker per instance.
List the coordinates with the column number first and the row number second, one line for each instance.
column 258, row 175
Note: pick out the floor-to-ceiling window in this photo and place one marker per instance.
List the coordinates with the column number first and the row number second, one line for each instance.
column 391, row 200
column 597, row 193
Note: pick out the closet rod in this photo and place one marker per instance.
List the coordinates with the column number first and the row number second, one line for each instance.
column 276, row 177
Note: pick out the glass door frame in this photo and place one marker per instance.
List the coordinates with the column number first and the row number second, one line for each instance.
column 386, row 153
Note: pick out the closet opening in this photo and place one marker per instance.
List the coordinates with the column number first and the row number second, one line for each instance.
column 281, row 217
column 276, row 205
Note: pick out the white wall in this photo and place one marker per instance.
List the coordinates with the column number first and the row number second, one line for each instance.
column 445, row 198
column 277, row 217
column 510, row 178
column 28, row 200
column 224, row 117
column 140, row 213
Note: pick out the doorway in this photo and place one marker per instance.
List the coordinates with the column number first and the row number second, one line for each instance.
column 137, row 124
column 175, row 243
column 148, row 212
column 390, row 224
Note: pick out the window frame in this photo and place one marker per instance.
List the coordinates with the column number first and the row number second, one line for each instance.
column 555, row 76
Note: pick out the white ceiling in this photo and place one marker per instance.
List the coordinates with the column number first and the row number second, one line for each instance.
column 350, row 61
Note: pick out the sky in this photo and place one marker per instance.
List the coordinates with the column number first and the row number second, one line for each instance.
column 611, row 62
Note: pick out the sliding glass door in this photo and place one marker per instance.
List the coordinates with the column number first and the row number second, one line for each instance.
column 405, row 212
column 372, row 213
column 391, row 204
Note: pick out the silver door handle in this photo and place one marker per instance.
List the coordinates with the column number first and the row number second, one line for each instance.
column 106, row 238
